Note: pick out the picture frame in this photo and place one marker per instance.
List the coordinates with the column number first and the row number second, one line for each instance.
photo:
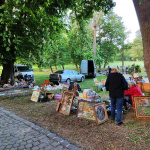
column 100, row 113
column 35, row 96
column 66, row 102
column 85, row 110
column 142, row 106
column 58, row 105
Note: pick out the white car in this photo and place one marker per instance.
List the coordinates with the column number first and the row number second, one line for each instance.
column 24, row 72
column 66, row 76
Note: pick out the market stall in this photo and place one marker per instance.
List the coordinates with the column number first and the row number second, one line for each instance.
column 44, row 93
column 88, row 105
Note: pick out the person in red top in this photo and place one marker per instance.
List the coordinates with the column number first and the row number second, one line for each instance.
column 133, row 90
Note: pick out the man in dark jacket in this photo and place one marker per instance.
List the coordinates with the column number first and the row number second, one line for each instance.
column 116, row 84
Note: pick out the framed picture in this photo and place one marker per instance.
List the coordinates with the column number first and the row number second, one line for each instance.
column 35, row 96
column 142, row 106
column 58, row 105
column 66, row 102
column 100, row 113
column 85, row 110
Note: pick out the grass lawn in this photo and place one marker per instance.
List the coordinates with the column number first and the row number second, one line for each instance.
column 44, row 74
column 126, row 63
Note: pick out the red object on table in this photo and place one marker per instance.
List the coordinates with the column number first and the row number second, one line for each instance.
column 46, row 82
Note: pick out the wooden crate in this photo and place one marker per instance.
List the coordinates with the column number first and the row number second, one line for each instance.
column 145, row 87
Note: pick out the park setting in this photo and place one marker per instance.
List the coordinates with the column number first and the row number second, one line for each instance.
column 67, row 69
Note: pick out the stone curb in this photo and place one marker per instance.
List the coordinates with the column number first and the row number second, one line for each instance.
column 45, row 132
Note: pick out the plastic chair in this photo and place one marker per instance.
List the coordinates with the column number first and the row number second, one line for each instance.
column 46, row 82
column 96, row 81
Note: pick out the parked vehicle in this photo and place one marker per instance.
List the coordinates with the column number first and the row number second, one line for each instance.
column 65, row 76
column 23, row 72
column 88, row 68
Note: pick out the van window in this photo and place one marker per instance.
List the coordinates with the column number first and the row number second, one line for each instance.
column 23, row 68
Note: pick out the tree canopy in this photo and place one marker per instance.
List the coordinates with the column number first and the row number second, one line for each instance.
column 25, row 25
column 112, row 36
column 136, row 52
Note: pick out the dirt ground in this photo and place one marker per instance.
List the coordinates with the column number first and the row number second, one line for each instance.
column 134, row 134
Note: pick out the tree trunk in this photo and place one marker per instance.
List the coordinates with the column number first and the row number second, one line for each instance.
column 50, row 67
column 122, row 58
column 63, row 67
column 75, row 63
column 94, row 36
column 8, row 73
column 39, row 69
column 100, row 67
column 56, row 67
column 99, row 34
column 143, row 14
column 99, row 44
column 104, row 65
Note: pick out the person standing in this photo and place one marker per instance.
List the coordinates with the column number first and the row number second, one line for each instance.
column 116, row 84
column 122, row 69
column 108, row 70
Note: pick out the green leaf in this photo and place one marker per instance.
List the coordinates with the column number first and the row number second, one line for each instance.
column 7, row 49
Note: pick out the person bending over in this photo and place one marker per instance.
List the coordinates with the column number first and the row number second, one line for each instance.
column 74, row 86
column 133, row 90
column 116, row 84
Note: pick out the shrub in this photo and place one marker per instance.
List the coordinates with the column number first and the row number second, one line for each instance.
column 134, row 69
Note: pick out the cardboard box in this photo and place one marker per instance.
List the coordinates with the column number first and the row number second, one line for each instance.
column 145, row 87
column 84, row 95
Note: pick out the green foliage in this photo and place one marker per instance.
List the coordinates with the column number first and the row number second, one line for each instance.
column 84, row 9
column 79, row 43
column 140, row 1
column 112, row 36
column 134, row 69
column 27, row 26
column 136, row 51
column 98, row 59
column 56, row 52
column 108, row 51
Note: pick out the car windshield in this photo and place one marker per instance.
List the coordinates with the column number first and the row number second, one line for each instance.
column 59, row 71
column 23, row 68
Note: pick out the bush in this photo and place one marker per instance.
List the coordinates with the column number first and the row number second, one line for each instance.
column 134, row 69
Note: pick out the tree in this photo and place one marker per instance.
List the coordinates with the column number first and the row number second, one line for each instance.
column 25, row 23
column 23, row 27
column 112, row 36
column 124, row 47
column 80, row 43
column 96, row 22
column 142, row 8
column 137, row 48
column 108, row 51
